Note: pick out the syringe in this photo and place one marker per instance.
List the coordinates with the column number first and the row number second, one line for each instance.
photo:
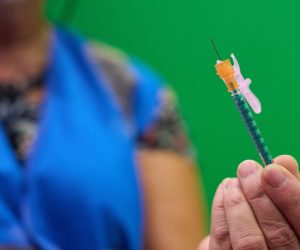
column 226, row 72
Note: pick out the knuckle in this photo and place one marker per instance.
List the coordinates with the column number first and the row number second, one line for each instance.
column 219, row 206
column 256, row 196
column 291, row 201
column 221, row 233
column 281, row 236
column 251, row 242
column 234, row 201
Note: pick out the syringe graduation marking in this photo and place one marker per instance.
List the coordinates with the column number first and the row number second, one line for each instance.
column 226, row 72
column 252, row 127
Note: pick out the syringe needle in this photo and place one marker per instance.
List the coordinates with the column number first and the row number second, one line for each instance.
column 213, row 44
column 226, row 72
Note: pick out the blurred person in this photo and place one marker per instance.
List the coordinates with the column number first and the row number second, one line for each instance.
column 93, row 152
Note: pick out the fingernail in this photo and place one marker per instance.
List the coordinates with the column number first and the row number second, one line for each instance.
column 247, row 168
column 231, row 184
column 274, row 176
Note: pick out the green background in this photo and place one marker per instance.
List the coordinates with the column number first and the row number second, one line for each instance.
column 173, row 37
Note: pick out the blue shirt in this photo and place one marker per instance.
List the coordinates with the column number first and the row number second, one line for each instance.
column 80, row 187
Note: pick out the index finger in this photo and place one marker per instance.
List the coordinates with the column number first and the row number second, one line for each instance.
column 219, row 239
column 244, row 230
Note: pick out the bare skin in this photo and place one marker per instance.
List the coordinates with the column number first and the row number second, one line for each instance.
column 175, row 216
column 173, row 205
column 24, row 39
column 259, row 209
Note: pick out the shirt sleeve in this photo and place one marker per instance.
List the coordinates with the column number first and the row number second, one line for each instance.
column 167, row 131
column 151, row 104
column 159, row 121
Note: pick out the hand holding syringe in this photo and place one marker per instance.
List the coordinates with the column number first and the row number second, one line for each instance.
column 241, row 94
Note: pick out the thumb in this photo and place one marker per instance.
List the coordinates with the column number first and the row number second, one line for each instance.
column 289, row 163
column 284, row 190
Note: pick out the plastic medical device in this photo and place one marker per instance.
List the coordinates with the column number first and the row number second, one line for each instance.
column 241, row 94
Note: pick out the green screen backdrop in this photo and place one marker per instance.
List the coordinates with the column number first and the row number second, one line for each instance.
column 173, row 36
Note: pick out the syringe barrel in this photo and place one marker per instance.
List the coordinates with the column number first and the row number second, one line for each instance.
column 252, row 127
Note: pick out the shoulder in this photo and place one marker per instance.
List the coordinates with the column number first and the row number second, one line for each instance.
column 130, row 79
column 151, row 104
column 109, row 56
column 115, row 65
column 118, row 62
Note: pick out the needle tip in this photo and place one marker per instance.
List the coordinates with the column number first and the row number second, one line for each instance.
column 213, row 44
